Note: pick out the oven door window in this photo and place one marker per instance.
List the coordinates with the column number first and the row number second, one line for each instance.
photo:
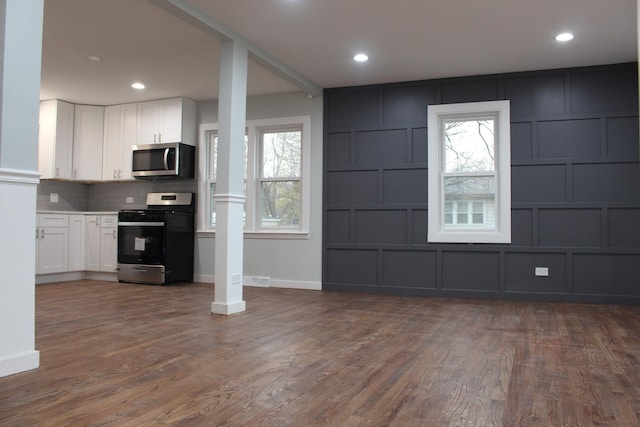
column 141, row 244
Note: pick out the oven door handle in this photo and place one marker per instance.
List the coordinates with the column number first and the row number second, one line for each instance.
column 141, row 224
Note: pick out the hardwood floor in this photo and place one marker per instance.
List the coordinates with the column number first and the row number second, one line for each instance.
column 135, row 355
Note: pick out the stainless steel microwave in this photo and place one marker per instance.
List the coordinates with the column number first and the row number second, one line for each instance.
column 163, row 161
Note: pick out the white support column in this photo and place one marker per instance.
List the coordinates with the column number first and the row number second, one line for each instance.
column 229, row 198
column 20, row 53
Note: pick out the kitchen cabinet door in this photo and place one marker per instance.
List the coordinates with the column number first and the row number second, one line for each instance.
column 170, row 123
column 52, row 243
column 148, row 122
column 167, row 120
column 55, row 139
column 101, row 243
column 109, row 249
column 129, row 132
column 87, row 142
column 76, row 242
column 120, row 130
column 92, row 243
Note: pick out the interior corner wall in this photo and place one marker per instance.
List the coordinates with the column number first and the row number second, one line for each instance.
column 287, row 262
column 575, row 189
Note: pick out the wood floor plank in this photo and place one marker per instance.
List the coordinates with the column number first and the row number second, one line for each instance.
column 117, row 354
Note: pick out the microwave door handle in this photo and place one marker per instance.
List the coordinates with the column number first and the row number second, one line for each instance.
column 166, row 159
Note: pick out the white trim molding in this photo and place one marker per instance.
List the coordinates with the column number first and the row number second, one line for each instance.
column 19, row 362
column 19, row 176
column 438, row 116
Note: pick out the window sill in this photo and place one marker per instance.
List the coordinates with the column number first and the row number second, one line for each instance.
column 293, row 235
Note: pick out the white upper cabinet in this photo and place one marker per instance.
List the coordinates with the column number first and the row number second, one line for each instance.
column 94, row 143
column 55, row 140
column 167, row 120
column 120, row 130
column 87, row 142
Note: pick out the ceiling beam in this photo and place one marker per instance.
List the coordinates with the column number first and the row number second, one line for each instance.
column 194, row 16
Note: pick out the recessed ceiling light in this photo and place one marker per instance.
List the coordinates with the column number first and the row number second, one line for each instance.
column 137, row 85
column 94, row 58
column 361, row 57
column 564, row 37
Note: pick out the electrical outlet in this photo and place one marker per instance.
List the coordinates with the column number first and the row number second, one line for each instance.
column 542, row 271
column 53, row 197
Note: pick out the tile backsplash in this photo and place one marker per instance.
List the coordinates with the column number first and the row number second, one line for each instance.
column 109, row 196
column 71, row 196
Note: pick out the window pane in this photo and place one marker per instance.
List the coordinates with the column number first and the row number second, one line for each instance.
column 463, row 213
column 469, row 146
column 280, row 204
column 213, row 158
column 478, row 213
column 480, row 192
column 281, row 154
column 448, row 213
column 212, row 206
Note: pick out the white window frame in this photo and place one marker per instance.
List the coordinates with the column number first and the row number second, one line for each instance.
column 436, row 115
column 254, row 128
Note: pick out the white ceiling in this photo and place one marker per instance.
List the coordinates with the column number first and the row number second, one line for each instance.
column 405, row 40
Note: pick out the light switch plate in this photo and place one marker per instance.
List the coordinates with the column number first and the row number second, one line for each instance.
column 129, row 199
column 542, row 271
column 53, row 197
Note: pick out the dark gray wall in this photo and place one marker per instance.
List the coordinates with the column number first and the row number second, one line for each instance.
column 575, row 189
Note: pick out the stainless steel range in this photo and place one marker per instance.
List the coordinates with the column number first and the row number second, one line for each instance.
column 155, row 245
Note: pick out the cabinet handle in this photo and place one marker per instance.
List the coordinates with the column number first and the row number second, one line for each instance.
column 155, row 135
column 159, row 137
column 75, row 173
column 119, row 173
column 36, row 234
column 42, row 233
column 115, row 173
column 57, row 172
column 114, row 233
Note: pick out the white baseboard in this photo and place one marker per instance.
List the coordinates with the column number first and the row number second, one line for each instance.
column 59, row 277
column 226, row 309
column 296, row 284
column 266, row 282
column 21, row 362
column 204, row 278
column 75, row 275
column 98, row 275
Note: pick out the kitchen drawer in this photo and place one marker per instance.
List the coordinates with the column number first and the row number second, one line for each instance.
column 53, row 220
column 109, row 221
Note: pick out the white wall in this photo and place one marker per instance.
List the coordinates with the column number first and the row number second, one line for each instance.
column 295, row 263
column 20, row 53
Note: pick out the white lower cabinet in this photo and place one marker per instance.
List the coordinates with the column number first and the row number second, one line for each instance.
column 101, row 243
column 76, row 242
column 109, row 243
column 52, row 243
